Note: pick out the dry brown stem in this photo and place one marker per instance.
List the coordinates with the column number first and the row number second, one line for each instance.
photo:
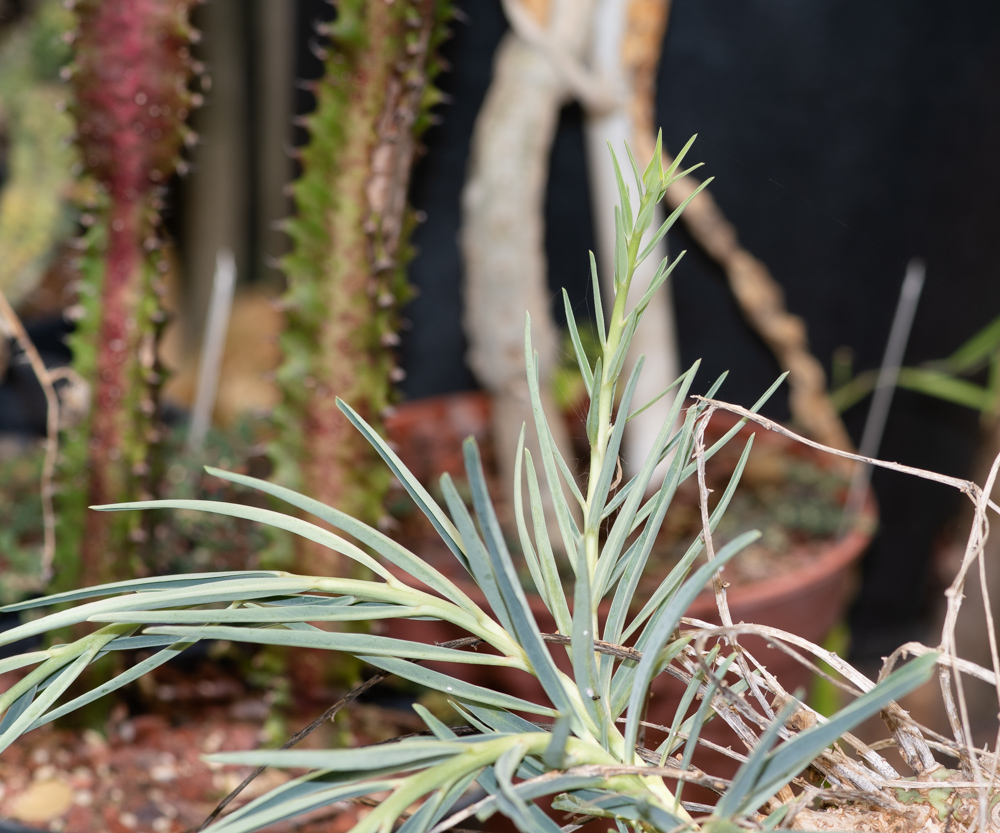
column 10, row 322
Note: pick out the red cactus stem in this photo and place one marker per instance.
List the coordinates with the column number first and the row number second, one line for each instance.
column 131, row 74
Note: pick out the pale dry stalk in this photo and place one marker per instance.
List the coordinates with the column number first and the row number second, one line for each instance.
column 503, row 240
column 46, row 379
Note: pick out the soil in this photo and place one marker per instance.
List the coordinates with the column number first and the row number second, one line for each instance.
column 144, row 770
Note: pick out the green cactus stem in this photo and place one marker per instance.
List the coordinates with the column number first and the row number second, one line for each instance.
column 130, row 77
column 346, row 271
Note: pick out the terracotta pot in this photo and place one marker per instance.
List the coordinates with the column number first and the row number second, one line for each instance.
column 806, row 601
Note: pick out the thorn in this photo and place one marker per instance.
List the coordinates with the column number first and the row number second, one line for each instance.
column 320, row 52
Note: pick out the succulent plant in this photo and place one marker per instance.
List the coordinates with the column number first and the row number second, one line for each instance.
column 130, row 78
column 582, row 743
column 347, row 268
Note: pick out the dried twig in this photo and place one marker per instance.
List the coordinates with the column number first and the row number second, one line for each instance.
column 12, row 323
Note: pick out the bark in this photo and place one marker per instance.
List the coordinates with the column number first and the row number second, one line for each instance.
column 625, row 51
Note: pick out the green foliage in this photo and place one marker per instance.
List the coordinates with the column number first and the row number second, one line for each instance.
column 942, row 379
column 584, row 749
column 34, row 210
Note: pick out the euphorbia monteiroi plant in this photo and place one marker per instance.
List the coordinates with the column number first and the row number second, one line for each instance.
column 581, row 740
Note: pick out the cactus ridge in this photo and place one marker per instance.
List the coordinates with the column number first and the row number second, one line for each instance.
column 347, row 267
column 131, row 75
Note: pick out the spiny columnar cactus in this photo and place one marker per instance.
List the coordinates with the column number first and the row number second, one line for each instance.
column 130, row 78
column 346, row 272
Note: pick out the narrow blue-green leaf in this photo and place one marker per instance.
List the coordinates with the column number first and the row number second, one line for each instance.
column 702, row 715
column 627, row 586
column 527, row 547
column 668, row 174
column 187, row 594
column 422, row 818
column 555, row 752
column 665, row 626
column 501, row 721
column 456, row 688
column 437, row 727
column 681, row 568
column 437, row 517
column 134, row 673
column 390, row 550
column 794, row 755
column 555, row 594
column 312, row 599
column 598, row 305
column 645, row 218
column 22, row 660
column 663, row 273
column 631, row 808
column 668, row 746
column 529, row 791
column 624, row 199
column 352, row 643
column 294, row 799
column 439, row 808
column 510, row 803
column 618, row 358
column 621, row 251
column 134, row 643
column 16, row 709
column 264, row 615
column 660, row 395
column 732, row 432
column 581, row 355
column 269, row 517
column 131, row 585
column 671, row 220
column 594, row 408
column 653, row 174
column 751, row 769
column 635, row 170
column 610, row 464
column 568, row 475
column 478, row 558
column 404, row 754
column 668, row 449
column 526, row 629
column 623, row 523
column 621, row 684
column 537, row 821
column 582, row 653
column 38, row 706
column 564, row 517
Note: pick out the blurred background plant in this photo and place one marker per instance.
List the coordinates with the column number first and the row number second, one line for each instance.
column 775, row 119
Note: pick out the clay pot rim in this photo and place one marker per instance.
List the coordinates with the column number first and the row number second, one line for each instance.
column 829, row 556
column 833, row 556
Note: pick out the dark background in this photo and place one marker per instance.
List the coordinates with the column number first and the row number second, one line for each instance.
column 845, row 138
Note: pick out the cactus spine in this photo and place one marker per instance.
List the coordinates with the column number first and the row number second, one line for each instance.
column 346, row 271
column 130, row 78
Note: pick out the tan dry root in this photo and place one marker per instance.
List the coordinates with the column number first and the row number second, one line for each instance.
column 978, row 784
column 919, row 818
